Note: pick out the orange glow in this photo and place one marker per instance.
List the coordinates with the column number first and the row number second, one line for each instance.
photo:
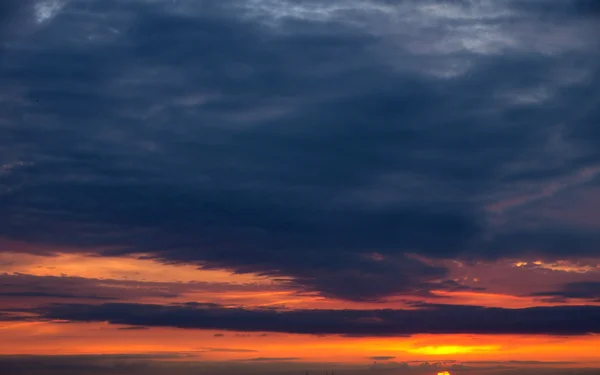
column 52, row 338
column 126, row 268
column 454, row 349
column 145, row 270
column 100, row 338
column 443, row 373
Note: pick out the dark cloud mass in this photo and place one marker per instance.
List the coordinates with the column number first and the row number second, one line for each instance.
column 434, row 319
column 297, row 138
column 103, row 364
column 588, row 290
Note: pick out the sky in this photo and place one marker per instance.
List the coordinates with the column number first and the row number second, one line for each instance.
column 283, row 186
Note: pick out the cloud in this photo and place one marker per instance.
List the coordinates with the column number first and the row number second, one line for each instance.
column 21, row 18
column 520, row 362
column 30, row 287
column 584, row 290
column 551, row 189
column 381, row 358
column 229, row 350
column 271, row 359
column 295, row 141
column 431, row 319
column 107, row 364
column 133, row 328
column 11, row 10
column 51, row 295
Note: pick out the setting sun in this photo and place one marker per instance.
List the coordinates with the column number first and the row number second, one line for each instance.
column 443, row 373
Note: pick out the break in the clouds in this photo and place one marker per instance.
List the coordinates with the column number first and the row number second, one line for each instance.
column 317, row 141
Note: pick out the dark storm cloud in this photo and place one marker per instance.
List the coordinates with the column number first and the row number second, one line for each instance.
column 586, row 8
column 586, row 290
column 435, row 319
column 11, row 13
column 295, row 140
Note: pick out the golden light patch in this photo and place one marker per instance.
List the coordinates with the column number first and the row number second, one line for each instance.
column 453, row 349
column 443, row 373
column 563, row 266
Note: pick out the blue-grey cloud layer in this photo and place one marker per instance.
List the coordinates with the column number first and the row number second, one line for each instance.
column 295, row 138
column 433, row 319
column 585, row 290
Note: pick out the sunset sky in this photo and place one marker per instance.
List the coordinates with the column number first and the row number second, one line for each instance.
column 281, row 186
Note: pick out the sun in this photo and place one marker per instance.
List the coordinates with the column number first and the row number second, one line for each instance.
column 443, row 373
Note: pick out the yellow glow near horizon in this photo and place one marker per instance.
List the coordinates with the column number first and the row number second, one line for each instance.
column 54, row 338
column 443, row 373
column 454, row 349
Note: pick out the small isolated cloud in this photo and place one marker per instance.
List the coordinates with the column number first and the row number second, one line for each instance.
column 271, row 359
column 228, row 350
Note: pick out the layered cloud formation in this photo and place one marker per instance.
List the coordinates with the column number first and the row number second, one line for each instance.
column 368, row 158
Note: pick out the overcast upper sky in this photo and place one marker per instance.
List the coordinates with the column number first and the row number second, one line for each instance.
column 368, row 169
